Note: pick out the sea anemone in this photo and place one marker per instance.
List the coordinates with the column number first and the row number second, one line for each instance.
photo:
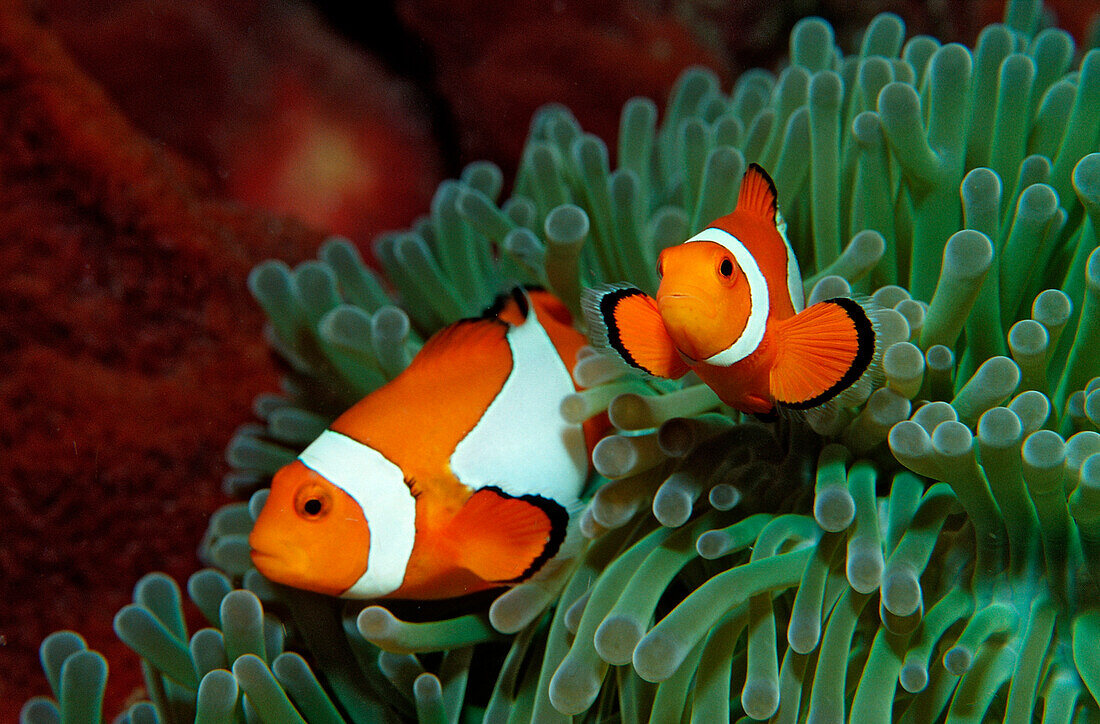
column 926, row 549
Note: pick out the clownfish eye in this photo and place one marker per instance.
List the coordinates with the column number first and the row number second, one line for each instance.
column 726, row 268
column 312, row 502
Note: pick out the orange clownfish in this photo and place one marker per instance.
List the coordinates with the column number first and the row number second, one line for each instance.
column 456, row 476
column 730, row 308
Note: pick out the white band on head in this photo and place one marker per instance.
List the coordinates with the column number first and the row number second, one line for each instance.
column 379, row 487
column 753, row 332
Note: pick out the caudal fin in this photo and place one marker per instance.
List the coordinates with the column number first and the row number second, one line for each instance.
column 822, row 351
column 627, row 321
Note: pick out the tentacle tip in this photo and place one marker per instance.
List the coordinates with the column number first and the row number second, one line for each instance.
column 427, row 687
column 374, row 622
column 616, row 639
column 834, row 509
column 913, row 678
column 958, row 660
column 804, row 633
column 573, row 688
column 760, row 698
column 657, row 657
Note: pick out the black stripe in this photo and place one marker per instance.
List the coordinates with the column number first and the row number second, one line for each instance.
column 865, row 352
column 608, row 302
column 559, row 523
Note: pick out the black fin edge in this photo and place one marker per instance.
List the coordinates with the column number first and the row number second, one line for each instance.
column 607, row 311
column 559, row 523
column 865, row 352
column 768, row 178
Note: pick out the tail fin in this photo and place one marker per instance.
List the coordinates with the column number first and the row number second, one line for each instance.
column 824, row 350
column 626, row 320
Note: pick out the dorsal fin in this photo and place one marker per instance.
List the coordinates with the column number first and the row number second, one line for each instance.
column 757, row 196
column 514, row 305
column 474, row 341
column 511, row 307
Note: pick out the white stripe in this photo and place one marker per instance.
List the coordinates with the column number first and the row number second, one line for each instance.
column 753, row 332
column 388, row 505
column 794, row 276
column 522, row 444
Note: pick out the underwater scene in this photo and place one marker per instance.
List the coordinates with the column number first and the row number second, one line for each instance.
column 706, row 380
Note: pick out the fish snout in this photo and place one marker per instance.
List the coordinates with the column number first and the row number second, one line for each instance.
column 277, row 558
column 310, row 534
column 684, row 314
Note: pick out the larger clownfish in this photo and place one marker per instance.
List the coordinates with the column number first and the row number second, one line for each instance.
column 730, row 308
column 456, row 476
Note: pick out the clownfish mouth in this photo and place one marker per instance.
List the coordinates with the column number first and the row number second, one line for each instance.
column 698, row 299
column 266, row 562
column 278, row 564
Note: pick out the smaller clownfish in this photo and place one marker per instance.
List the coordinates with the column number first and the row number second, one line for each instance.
column 456, row 476
column 730, row 308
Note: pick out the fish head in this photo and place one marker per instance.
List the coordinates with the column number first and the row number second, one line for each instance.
column 310, row 533
column 704, row 298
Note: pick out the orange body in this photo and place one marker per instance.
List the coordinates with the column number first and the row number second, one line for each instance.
column 729, row 307
column 488, row 495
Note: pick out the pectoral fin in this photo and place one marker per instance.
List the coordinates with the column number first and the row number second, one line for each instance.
column 627, row 320
column 503, row 538
column 820, row 352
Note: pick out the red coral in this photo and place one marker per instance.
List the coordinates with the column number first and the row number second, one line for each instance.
column 279, row 110
column 130, row 349
column 498, row 61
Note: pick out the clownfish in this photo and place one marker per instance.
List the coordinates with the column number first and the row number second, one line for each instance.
column 456, row 476
column 730, row 308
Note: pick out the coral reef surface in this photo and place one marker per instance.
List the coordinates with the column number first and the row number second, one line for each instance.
column 130, row 350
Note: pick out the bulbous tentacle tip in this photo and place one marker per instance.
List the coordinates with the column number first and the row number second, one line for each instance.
column 901, row 592
column 617, row 637
column 760, row 698
column 1086, row 180
column 375, row 622
column 804, row 634
column 574, row 687
column 657, row 656
column 217, row 695
column 516, row 608
column 913, row 677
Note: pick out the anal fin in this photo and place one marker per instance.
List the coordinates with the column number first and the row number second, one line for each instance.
column 820, row 352
column 503, row 538
column 632, row 325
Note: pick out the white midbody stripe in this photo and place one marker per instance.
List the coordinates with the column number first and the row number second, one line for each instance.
column 794, row 275
column 379, row 487
column 521, row 444
column 753, row 332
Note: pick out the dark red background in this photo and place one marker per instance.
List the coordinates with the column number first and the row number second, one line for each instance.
column 151, row 152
